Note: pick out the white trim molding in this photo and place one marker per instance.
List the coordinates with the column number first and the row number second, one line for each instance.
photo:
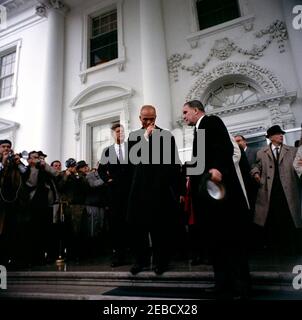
column 8, row 129
column 101, row 101
column 10, row 47
column 106, row 5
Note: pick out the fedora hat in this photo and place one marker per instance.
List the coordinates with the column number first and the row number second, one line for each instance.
column 274, row 130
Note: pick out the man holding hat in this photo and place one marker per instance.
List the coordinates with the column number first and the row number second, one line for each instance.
column 277, row 207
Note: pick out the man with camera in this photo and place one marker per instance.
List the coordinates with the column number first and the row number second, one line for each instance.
column 73, row 188
column 38, row 180
column 11, row 196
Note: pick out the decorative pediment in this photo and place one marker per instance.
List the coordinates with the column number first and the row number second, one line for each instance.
column 8, row 129
column 99, row 95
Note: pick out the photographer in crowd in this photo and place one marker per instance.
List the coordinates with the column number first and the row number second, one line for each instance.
column 11, row 198
column 73, row 189
column 38, row 180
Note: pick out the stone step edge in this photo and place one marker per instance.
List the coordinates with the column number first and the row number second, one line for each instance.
column 115, row 275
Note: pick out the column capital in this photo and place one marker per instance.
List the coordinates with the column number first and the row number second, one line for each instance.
column 44, row 6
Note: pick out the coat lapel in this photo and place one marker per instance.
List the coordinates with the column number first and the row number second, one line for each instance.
column 268, row 151
column 284, row 149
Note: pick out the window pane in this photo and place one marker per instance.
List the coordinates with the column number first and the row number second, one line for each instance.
column 104, row 41
column 7, row 64
column 213, row 12
column 231, row 94
column 6, row 86
column 101, row 138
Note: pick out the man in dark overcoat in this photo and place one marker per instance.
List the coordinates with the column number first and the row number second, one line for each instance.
column 224, row 221
column 154, row 195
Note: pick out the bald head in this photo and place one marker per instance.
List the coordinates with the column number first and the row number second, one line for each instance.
column 147, row 115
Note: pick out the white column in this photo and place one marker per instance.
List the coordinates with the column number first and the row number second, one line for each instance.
column 156, row 88
column 53, row 90
column 295, row 37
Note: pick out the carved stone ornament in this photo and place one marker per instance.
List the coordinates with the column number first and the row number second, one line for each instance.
column 44, row 5
column 224, row 48
column 264, row 77
column 41, row 10
column 57, row 4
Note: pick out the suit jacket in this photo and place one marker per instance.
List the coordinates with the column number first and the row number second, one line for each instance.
column 218, row 150
column 154, row 190
column 251, row 155
column 120, row 173
column 289, row 180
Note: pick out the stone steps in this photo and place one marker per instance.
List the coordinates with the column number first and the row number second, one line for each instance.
column 81, row 285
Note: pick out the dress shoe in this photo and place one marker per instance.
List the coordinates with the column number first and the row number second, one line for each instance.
column 159, row 269
column 136, row 268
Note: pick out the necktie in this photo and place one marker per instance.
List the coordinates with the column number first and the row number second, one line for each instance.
column 277, row 153
column 120, row 153
column 194, row 151
column 195, row 132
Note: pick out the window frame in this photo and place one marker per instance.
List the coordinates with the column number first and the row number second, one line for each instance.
column 5, row 50
column 206, row 14
column 101, row 15
column 246, row 20
column 95, row 11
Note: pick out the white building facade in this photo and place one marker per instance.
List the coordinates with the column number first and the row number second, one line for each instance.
column 69, row 69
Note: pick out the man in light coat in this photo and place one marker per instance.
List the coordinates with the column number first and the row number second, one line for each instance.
column 278, row 200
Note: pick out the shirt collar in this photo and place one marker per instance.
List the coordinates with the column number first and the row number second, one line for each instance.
column 198, row 121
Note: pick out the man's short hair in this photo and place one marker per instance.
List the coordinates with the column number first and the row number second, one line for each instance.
column 242, row 137
column 6, row 141
column 148, row 106
column 195, row 104
column 53, row 162
column 116, row 125
column 31, row 153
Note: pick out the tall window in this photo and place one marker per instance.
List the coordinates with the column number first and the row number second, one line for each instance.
column 213, row 12
column 104, row 38
column 7, row 67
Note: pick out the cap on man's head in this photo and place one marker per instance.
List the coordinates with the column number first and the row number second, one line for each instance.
column 5, row 141
column 81, row 164
column 70, row 163
column 42, row 154
column 274, row 130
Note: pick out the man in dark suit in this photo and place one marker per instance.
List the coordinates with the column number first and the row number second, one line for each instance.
column 115, row 170
column 154, row 195
column 224, row 221
column 250, row 152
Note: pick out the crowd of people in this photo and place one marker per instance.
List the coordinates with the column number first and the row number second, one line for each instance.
column 151, row 203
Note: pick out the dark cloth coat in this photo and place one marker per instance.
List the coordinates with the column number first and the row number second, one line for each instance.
column 218, row 150
column 154, row 189
column 223, row 223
